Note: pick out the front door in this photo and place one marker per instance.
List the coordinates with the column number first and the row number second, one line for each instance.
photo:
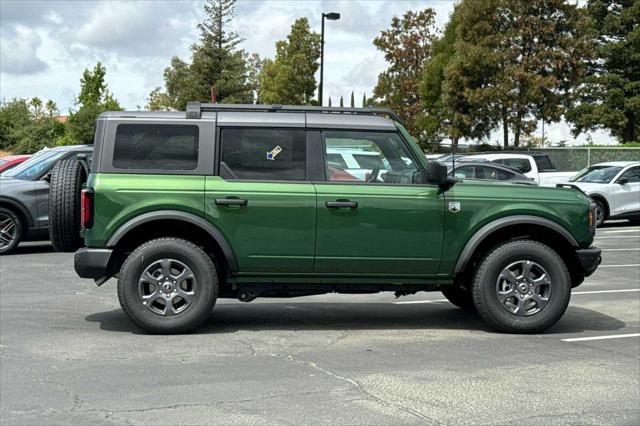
column 628, row 192
column 262, row 201
column 374, row 215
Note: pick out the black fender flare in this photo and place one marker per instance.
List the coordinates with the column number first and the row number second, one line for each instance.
column 17, row 205
column 497, row 224
column 180, row 216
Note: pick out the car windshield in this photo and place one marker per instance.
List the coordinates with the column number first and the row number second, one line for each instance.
column 35, row 166
column 596, row 174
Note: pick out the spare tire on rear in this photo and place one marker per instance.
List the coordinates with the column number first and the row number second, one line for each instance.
column 67, row 178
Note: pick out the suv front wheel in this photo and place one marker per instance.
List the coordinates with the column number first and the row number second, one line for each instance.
column 168, row 285
column 522, row 287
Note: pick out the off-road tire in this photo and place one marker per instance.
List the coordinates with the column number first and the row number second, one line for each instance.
column 67, row 178
column 485, row 282
column 459, row 296
column 195, row 258
column 18, row 230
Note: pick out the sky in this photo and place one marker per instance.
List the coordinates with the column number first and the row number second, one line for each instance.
column 45, row 45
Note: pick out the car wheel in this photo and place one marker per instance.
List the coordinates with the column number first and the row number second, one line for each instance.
column 168, row 285
column 459, row 296
column 522, row 287
column 601, row 213
column 10, row 231
column 67, row 178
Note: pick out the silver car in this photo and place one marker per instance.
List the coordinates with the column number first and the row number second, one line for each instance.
column 24, row 196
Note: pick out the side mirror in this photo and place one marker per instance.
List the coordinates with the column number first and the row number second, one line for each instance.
column 437, row 173
column 622, row 181
column 47, row 178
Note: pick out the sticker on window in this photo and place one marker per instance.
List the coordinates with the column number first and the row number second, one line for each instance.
column 271, row 155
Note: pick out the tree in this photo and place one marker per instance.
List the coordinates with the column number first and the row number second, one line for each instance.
column 290, row 77
column 94, row 99
column 610, row 95
column 364, row 100
column 514, row 61
column 407, row 46
column 329, row 100
column 158, row 101
column 341, row 102
column 25, row 129
column 353, row 100
column 218, row 65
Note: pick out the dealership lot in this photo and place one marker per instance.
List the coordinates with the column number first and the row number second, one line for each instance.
column 68, row 354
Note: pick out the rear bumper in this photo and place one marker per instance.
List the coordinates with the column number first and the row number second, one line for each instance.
column 92, row 263
column 589, row 259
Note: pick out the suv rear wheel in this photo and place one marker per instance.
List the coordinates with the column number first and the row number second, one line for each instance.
column 522, row 287
column 168, row 285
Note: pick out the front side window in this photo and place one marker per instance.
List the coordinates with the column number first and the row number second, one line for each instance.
column 466, row 172
column 156, row 146
column 491, row 173
column 520, row 164
column 263, row 154
column 632, row 175
column 368, row 157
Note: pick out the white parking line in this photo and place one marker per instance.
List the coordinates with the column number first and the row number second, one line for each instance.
column 616, row 231
column 637, row 237
column 614, row 336
column 410, row 302
column 626, row 290
column 619, row 266
column 624, row 249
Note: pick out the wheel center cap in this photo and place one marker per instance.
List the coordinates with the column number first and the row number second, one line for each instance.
column 523, row 288
column 167, row 286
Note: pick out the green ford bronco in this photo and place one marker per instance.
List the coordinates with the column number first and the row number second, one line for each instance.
column 246, row 201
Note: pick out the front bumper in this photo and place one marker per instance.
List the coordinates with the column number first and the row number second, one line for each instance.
column 589, row 259
column 92, row 263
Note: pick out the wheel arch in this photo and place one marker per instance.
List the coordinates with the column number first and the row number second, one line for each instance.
column 177, row 224
column 519, row 227
column 18, row 208
column 604, row 201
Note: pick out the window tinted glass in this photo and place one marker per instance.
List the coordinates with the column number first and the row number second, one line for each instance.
column 597, row 174
column 368, row 157
column 263, row 154
column 465, row 172
column 521, row 164
column 35, row 166
column 633, row 174
column 543, row 162
column 156, row 146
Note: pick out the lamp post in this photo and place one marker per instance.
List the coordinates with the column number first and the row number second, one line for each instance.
column 332, row 16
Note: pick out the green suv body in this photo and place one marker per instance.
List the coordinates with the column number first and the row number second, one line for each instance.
column 253, row 201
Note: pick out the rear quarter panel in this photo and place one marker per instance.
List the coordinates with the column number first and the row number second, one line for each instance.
column 482, row 203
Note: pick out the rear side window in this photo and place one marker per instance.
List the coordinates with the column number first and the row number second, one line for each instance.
column 520, row 164
column 263, row 154
column 156, row 146
column 544, row 163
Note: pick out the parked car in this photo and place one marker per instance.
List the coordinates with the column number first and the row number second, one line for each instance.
column 614, row 186
column 238, row 201
column 539, row 167
column 24, row 197
column 488, row 171
column 10, row 161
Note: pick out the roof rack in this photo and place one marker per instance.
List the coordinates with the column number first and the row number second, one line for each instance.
column 195, row 109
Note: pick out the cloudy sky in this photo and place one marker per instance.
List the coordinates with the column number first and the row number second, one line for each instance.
column 45, row 45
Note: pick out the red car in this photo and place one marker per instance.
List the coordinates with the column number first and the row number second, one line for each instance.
column 10, row 161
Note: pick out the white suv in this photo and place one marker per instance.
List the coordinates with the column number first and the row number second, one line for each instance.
column 614, row 186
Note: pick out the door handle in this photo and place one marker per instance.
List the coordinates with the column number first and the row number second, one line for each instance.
column 341, row 204
column 230, row 202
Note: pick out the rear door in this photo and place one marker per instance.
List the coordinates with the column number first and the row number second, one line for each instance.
column 378, row 222
column 262, row 200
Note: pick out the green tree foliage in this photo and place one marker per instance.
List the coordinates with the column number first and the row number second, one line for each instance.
column 514, row 61
column 610, row 95
column 26, row 126
column 407, row 46
column 290, row 77
column 94, row 99
column 341, row 102
column 353, row 100
column 218, row 65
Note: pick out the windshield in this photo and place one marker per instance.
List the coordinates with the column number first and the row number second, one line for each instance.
column 35, row 166
column 596, row 174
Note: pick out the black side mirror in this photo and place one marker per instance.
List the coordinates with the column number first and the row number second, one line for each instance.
column 437, row 173
column 47, row 177
column 622, row 181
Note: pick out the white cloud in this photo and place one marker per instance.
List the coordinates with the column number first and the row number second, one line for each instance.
column 19, row 52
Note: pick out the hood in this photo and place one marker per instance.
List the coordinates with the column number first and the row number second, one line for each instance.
column 587, row 186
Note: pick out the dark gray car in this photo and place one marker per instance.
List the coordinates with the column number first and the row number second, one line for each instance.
column 24, row 196
column 489, row 171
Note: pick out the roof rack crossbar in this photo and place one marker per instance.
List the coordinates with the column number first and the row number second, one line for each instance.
column 195, row 109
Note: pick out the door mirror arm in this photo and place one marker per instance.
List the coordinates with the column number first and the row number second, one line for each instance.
column 47, row 177
column 622, row 181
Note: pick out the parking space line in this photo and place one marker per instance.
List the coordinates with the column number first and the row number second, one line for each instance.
column 626, row 290
column 618, row 237
column 409, row 302
column 619, row 266
column 624, row 249
column 614, row 336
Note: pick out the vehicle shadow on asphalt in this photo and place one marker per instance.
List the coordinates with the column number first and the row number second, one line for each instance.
column 230, row 317
column 32, row 248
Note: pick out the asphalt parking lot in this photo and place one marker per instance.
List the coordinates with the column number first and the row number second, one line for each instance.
column 69, row 355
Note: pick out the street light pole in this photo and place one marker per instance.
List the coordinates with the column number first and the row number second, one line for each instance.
column 332, row 17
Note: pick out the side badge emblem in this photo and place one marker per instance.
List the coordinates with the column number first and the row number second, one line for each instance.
column 454, row 206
